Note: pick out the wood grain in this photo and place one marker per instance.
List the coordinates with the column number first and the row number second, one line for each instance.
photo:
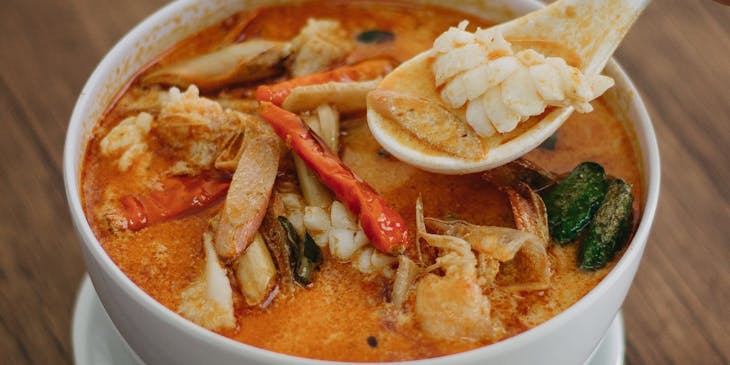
column 678, row 54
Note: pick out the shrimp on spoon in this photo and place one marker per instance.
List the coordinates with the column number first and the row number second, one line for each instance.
column 478, row 100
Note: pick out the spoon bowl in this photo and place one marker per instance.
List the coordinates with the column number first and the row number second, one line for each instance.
column 589, row 29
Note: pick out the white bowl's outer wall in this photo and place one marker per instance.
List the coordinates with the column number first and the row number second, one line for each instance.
column 159, row 336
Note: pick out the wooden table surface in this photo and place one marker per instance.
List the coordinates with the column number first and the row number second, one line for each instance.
column 677, row 312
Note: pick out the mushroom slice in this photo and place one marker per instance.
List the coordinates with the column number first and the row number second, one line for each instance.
column 208, row 301
column 241, row 62
column 344, row 96
column 429, row 122
column 250, row 189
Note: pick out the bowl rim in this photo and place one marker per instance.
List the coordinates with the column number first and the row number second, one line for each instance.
column 75, row 137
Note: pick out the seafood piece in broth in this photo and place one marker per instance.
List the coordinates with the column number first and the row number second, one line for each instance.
column 320, row 44
column 237, row 63
column 196, row 127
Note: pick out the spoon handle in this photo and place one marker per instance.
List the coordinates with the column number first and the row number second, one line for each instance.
column 591, row 28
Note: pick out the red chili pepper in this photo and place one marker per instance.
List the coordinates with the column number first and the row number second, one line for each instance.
column 179, row 195
column 366, row 70
column 385, row 228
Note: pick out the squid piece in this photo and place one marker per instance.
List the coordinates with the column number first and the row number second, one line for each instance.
column 429, row 122
column 237, row 63
column 250, row 189
column 346, row 97
column 208, row 301
column 336, row 228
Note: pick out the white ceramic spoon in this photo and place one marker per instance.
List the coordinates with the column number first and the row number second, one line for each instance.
column 592, row 29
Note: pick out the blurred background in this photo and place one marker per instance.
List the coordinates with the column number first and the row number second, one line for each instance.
column 678, row 54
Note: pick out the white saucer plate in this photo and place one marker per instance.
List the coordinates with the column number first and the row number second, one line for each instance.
column 97, row 342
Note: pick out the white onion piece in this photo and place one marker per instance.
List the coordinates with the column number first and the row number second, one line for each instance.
column 361, row 260
column 317, row 223
column 341, row 217
column 342, row 243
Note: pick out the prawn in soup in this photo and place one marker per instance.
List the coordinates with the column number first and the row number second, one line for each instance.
column 235, row 180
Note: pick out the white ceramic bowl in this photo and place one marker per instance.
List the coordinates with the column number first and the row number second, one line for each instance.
column 160, row 336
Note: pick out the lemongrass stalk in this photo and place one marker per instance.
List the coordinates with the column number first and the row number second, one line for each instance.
column 326, row 124
column 255, row 272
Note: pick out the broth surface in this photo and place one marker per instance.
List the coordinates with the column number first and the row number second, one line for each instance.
column 334, row 318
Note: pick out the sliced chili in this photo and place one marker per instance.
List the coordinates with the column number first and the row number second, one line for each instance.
column 179, row 195
column 385, row 228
